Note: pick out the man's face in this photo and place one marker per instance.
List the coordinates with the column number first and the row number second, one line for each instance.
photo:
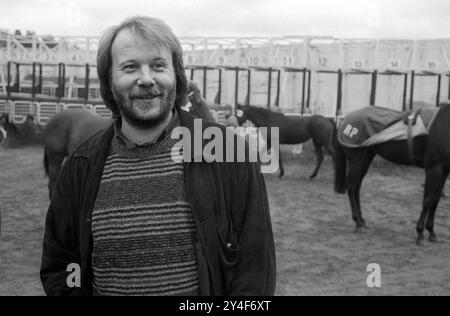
column 142, row 80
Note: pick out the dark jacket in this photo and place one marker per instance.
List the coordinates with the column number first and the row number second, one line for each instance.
column 234, row 242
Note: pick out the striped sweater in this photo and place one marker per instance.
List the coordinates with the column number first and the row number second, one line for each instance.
column 142, row 224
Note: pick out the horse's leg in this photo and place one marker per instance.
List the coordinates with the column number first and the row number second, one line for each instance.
column 430, row 221
column 358, row 164
column 319, row 158
column 434, row 184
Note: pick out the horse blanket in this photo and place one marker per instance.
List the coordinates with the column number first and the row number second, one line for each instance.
column 373, row 125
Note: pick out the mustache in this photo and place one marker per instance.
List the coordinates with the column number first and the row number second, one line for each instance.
column 145, row 93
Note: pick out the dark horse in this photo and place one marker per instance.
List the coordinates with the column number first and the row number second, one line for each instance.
column 14, row 135
column 431, row 152
column 293, row 130
column 199, row 106
column 64, row 132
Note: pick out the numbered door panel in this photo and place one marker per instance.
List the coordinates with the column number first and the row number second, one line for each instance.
column 291, row 85
column 389, row 93
column 432, row 56
column 259, row 88
column 358, row 55
column 325, row 55
column 356, row 91
column 394, row 55
column 425, row 89
column 324, row 94
column 255, row 56
column 229, row 87
column 293, row 55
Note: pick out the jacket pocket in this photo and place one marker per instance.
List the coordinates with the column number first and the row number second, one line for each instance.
column 229, row 256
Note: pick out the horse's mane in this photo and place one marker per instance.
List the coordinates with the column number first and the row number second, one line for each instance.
column 262, row 110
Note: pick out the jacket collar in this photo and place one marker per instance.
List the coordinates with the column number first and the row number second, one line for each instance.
column 97, row 147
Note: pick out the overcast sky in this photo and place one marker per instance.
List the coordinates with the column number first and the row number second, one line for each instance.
column 411, row 19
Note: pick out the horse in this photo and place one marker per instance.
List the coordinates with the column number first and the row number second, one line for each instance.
column 28, row 133
column 199, row 106
column 63, row 133
column 293, row 130
column 431, row 152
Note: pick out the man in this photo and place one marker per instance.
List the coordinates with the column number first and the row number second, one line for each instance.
column 133, row 219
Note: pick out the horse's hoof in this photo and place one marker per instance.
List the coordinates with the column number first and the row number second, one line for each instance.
column 419, row 239
column 312, row 177
column 360, row 229
column 432, row 238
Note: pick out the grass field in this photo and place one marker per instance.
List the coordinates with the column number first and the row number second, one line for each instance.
column 317, row 251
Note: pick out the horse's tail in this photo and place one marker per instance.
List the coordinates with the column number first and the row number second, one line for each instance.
column 340, row 164
column 46, row 167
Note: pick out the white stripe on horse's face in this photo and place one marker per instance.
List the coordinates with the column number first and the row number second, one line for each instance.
column 4, row 133
column 187, row 107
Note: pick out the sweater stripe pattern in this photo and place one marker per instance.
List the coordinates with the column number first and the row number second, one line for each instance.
column 142, row 224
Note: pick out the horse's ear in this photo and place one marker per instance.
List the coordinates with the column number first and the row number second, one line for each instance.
column 247, row 99
column 216, row 98
column 193, row 85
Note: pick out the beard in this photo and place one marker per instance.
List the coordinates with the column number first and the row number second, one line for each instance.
column 144, row 98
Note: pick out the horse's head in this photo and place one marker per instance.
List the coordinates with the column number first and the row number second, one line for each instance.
column 193, row 93
column 199, row 107
column 3, row 133
column 4, row 121
column 240, row 113
column 4, row 118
